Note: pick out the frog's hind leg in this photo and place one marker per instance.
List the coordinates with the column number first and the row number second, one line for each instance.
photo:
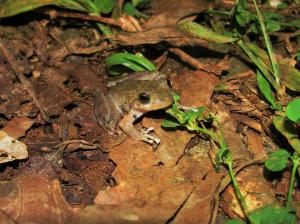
column 107, row 111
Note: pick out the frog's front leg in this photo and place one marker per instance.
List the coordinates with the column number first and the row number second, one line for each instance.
column 126, row 124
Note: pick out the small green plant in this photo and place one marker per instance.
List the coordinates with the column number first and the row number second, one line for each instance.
column 247, row 20
column 265, row 74
column 271, row 82
column 121, row 62
column 194, row 120
column 288, row 124
column 278, row 161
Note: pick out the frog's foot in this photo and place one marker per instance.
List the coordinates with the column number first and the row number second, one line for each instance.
column 126, row 125
column 147, row 130
column 151, row 140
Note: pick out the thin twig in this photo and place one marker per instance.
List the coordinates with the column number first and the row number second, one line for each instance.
column 189, row 59
column 110, row 21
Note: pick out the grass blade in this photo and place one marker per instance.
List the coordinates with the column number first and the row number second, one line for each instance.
column 271, row 53
column 134, row 62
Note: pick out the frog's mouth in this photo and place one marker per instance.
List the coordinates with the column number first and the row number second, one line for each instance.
column 152, row 105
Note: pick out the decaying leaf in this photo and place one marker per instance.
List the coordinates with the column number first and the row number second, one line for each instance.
column 18, row 126
column 11, row 149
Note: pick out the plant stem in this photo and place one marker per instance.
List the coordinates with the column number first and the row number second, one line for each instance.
column 211, row 134
column 262, row 67
column 296, row 164
column 235, row 185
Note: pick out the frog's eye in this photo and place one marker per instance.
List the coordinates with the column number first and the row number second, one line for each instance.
column 144, row 98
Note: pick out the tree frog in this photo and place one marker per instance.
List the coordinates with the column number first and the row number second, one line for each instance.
column 128, row 98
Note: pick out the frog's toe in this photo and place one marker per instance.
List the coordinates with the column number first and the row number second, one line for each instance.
column 147, row 130
column 151, row 140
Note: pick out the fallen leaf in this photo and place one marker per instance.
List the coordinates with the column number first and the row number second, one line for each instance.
column 195, row 88
column 51, row 96
column 163, row 184
column 255, row 144
column 32, row 199
column 11, row 149
column 169, row 12
column 18, row 126
column 232, row 137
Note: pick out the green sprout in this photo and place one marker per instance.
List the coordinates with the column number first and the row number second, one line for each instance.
column 120, row 62
column 193, row 120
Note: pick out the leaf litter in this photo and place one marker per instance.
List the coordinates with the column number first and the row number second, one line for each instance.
column 78, row 172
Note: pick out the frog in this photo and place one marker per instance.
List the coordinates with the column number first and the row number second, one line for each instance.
column 129, row 97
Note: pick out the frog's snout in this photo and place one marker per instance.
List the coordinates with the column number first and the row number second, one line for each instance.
column 147, row 102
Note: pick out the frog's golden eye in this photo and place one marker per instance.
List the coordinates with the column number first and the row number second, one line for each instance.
column 144, row 98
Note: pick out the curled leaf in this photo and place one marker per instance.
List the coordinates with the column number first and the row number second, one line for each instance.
column 202, row 32
column 133, row 62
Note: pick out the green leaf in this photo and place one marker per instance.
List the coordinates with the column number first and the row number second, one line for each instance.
column 273, row 15
column 293, row 110
column 105, row 6
column 194, row 114
column 278, row 160
column 253, row 53
column 176, row 97
column 170, row 124
column 265, row 88
column 241, row 6
column 131, row 10
column 104, row 29
column 282, row 5
column 87, row 4
column 288, row 130
column 291, row 77
column 222, row 154
column 298, row 56
column 244, row 18
column 253, row 28
column 133, row 62
column 273, row 25
column 273, row 215
column 138, row 3
column 271, row 54
column 295, row 23
column 202, row 32
column 12, row 7
column 177, row 114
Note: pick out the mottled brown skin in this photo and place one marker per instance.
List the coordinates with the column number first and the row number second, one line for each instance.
column 123, row 104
